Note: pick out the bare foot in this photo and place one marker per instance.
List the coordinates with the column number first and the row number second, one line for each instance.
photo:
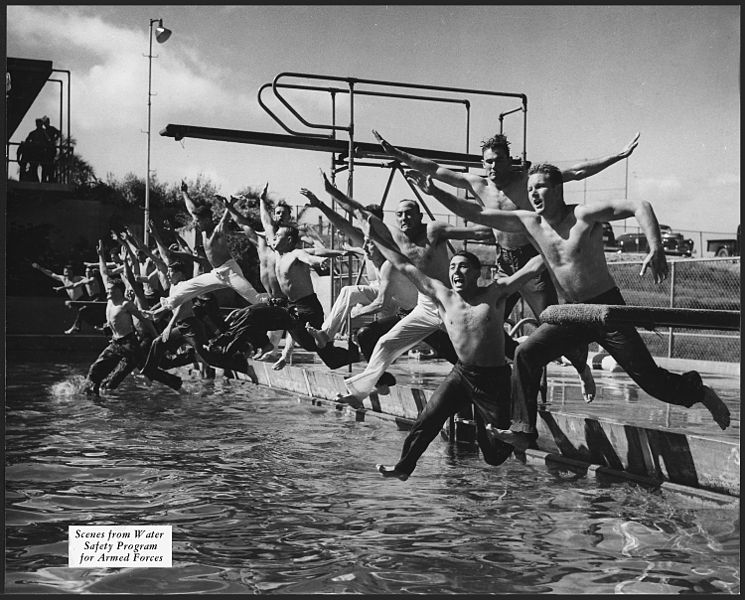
column 319, row 336
column 717, row 408
column 350, row 399
column 391, row 472
column 587, row 384
column 73, row 329
column 280, row 364
column 521, row 441
column 263, row 351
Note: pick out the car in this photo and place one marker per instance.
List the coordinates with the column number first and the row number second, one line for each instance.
column 673, row 243
column 609, row 238
column 632, row 242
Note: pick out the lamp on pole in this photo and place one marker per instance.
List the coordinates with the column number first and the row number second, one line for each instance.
column 161, row 35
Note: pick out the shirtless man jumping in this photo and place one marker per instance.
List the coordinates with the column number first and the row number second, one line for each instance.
column 425, row 245
column 570, row 240
column 124, row 345
column 504, row 188
column 474, row 318
column 225, row 270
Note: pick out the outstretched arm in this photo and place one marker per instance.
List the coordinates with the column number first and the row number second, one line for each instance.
column 46, row 271
column 336, row 219
column 165, row 253
column 266, row 219
column 241, row 220
column 190, row 205
column 464, row 181
column 589, row 168
column 519, row 278
column 102, row 267
column 613, row 210
column 309, row 259
column 425, row 284
column 383, row 297
column 470, row 210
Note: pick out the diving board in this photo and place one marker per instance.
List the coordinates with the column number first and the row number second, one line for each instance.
column 371, row 150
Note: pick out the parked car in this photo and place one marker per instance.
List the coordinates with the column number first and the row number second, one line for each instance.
column 673, row 243
column 725, row 247
column 609, row 238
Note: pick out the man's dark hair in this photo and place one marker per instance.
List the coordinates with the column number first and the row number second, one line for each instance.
column 375, row 209
column 472, row 259
column 496, row 142
column 283, row 205
column 69, row 266
column 119, row 284
column 554, row 174
column 414, row 202
column 178, row 267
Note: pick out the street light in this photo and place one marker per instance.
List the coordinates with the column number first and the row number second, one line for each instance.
column 161, row 35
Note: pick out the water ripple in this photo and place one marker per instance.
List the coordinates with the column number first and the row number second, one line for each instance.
column 266, row 495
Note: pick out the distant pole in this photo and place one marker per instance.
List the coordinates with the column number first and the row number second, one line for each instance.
column 161, row 35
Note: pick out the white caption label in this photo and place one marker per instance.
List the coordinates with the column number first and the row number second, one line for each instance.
column 119, row 546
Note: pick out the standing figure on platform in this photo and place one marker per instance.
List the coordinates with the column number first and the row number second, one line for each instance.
column 474, row 318
column 504, row 187
column 570, row 239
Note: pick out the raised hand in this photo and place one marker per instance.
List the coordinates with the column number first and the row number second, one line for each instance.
column 327, row 185
column 386, row 146
column 264, row 192
column 99, row 247
column 655, row 261
column 312, row 198
column 419, row 179
column 629, row 148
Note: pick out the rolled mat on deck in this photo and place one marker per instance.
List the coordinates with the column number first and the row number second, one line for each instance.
column 640, row 316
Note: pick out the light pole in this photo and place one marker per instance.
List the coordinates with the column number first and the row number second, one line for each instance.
column 161, row 35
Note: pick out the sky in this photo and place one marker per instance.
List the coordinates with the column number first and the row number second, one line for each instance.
column 593, row 76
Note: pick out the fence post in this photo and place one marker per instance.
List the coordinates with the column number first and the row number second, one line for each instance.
column 670, row 342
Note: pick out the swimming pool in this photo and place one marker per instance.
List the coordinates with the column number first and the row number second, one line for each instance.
column 266, row 494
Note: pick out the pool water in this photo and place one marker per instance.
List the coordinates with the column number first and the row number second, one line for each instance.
column 268, row 494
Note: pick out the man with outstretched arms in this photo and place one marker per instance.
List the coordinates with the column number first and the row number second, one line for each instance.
column 570, row 239
column 504, row 188
column 225, row 270
column 350, row 296
column 124, row 345
column 425, row 245
column 267, row 258
column 474, row 318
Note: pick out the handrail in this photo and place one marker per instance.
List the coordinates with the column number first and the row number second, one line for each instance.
column 352, row 81
column 335, row 90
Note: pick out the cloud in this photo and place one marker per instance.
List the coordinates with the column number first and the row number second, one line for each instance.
column 109, row 81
